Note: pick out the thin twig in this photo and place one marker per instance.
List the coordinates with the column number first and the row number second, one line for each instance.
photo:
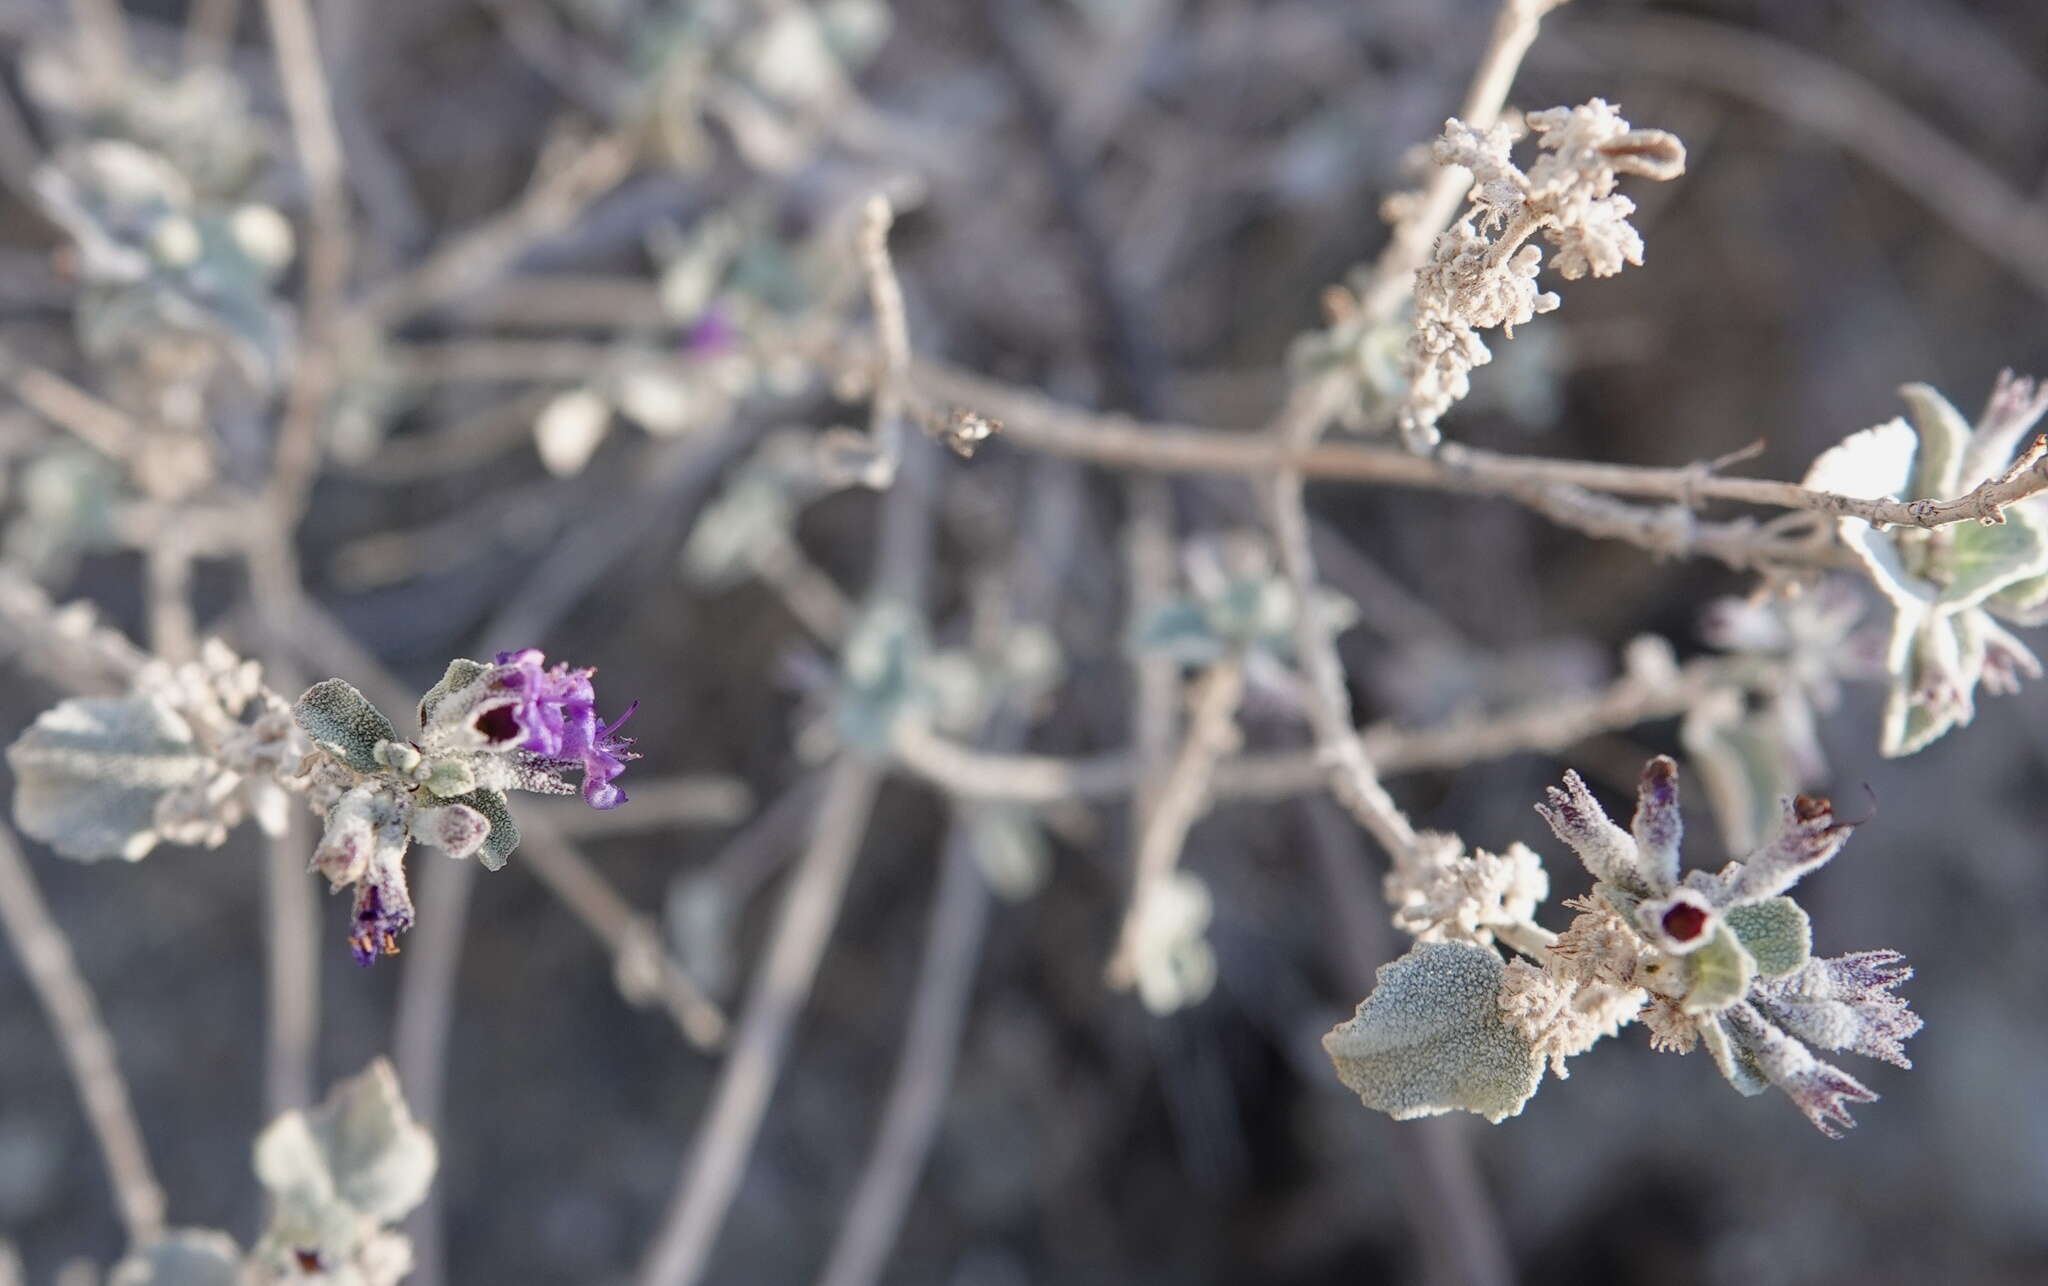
column 291, row 975
column 557, row 196
column 317, row 138
column 1542, row 727
column 1037, row 422
column 88, row 1049
column 1178, row 804
column 945, row 980
column 1393, row 273
column 701, row 799
column 725, row 1139
column 103, row 34
column 100, row 425
column 645, row 974
column 210, row 31
column 924, row 1069
column 1439, row 1187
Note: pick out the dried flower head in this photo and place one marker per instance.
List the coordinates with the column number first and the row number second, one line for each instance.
column 1482, row 271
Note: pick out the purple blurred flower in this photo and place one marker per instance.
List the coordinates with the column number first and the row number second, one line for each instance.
column 711, row 333
column 554, row 717
column 383, row 910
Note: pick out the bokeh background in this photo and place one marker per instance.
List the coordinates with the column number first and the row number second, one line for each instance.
column 1133, row 205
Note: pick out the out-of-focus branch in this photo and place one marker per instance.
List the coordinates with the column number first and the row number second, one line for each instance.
column 1543, row 727
column 88, row 1050
column 1393, row 273
column 1182, row 795
column 1986, row 209
column 645, row 973
column 310, row 106
column 718, row 1155
column 564, row 188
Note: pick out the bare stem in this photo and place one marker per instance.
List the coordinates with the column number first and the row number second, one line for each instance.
column 725, row 1139
column 1181, row 798
column 291, row 976
column 560, row 194
column 88, row 1049
column 642, row 968
column 1393, row 273
column 317, row 138
column 924, row 1070
column 1546, row 727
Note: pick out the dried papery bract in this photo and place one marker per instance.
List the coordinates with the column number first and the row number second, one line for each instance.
column 1481, row 274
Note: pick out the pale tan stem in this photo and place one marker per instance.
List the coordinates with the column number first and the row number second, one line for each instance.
column 1182, row 797
column 725, row 1139
column 474, row 258
column 88, row 1048
column 1393, row 273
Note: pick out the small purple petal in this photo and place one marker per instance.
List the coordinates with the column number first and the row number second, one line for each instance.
column 1657, row 826
column 555, row 714
column 1608, row 851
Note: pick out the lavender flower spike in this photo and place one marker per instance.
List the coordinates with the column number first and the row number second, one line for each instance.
column 554, row 716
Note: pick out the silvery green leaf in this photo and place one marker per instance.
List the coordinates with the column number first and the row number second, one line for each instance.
column 1932, row 683
column 1944, row 436
column 2023, row 602
column 1874, row 464
column 1982, row 560
column 1735, row 1063
column 1180, row 629
column 460, row 673
column 1717, row 974
column 360, row 1149
column 1011, row 849
column 182, row 1257
column 344, row 723
column 882, row 664
column 1775, row 932
column 88, row 774
column 752, row 517
column 1431, row 1038
column 1745, row 764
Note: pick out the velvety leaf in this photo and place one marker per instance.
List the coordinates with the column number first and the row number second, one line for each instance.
column 183, row 1257
column 1983, row 560
column 1944, row 435
column 1736, row 1064
column 1717, row 974
column 89, row 772
column 360, row 1148
column 460, row 673
column 1431, row 1038
column 337, row 716
column 1776, row 933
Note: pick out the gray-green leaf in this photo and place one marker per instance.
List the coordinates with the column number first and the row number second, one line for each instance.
column 182, row 1257
column 1775, row 932
column 344, row 722
column 88, row 774
column 1431, row 1038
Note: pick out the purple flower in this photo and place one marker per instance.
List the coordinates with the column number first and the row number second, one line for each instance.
column 554, row 717
column 383, row 910
column 711, row 333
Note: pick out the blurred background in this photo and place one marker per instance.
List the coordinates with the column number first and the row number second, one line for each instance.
column 1135, row 206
